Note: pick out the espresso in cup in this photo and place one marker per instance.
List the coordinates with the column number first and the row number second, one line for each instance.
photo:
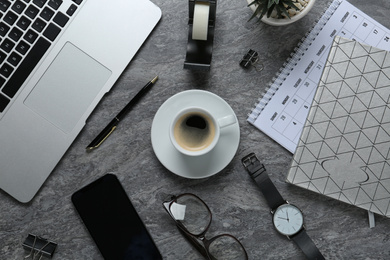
column 194, row 131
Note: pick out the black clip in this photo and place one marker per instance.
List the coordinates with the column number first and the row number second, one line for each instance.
column 251, row 58
column 38, row 246
column 199, row 51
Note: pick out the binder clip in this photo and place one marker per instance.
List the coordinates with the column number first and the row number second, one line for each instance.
column 201, row 23
column 251, row 58
column 38, row 247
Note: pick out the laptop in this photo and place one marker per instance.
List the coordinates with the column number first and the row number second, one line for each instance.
column 58, row 59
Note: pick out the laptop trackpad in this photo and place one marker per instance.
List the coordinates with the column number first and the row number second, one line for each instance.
column 68, row 87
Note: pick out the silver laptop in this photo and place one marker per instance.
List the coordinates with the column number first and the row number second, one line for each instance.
column 58, row 58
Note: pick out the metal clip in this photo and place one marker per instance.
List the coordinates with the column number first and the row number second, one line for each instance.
column 38, row 247
column 251, row 58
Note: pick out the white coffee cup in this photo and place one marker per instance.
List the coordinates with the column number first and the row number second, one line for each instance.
column 195, row 132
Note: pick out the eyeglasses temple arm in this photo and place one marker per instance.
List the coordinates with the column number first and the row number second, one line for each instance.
column 189, row 238
column 196, row 244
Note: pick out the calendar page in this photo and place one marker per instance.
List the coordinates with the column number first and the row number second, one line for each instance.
column 282, row 111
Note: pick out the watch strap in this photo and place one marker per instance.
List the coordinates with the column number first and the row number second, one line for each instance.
column 308, row 247
column 259, row 174
column 274, row 199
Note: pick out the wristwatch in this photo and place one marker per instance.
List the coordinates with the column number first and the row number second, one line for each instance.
column 287, row 218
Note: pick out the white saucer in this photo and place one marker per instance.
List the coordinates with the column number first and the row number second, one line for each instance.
column 188, row 166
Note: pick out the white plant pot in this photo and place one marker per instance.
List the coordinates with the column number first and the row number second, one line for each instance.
column 285, row 21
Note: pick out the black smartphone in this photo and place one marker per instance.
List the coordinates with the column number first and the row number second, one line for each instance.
column 113, row 222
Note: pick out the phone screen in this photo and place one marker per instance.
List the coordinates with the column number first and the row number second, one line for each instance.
column 113, row 222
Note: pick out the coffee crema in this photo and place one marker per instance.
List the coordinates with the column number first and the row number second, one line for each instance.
column 194, row 131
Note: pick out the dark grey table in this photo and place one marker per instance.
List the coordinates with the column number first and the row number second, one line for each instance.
column 339, row 230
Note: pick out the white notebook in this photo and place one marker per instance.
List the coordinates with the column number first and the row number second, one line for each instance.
column 343, row 152
column 282, row 111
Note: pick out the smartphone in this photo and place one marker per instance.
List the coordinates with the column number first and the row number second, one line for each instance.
column 113, row 222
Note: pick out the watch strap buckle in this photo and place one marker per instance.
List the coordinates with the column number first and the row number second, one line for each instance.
column 253, row 165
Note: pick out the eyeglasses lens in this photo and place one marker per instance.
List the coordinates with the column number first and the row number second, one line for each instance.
column 192, row 213
column 226, row 248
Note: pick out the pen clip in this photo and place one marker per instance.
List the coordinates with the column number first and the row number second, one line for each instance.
column 107, row 131
column 108, row 134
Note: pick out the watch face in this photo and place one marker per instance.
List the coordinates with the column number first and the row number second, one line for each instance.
column 288, row 219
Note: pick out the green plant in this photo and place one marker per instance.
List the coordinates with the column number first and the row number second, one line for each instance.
column 268, row 6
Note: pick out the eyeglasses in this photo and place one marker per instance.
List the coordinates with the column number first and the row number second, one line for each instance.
column 193, row 218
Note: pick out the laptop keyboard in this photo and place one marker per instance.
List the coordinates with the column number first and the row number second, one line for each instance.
column 27, row 29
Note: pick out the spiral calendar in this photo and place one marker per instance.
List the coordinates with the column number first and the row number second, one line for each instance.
column 282, row 111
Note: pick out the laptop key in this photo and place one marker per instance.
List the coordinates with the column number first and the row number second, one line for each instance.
column 52, row 32
column 26, row 67
column 30, row 36
column 22, row 47
column 23, row 22
column 18, row 6
column 15, row 34
column 3, row 102
column 10, row 18
column 71, row 10
column 6, row 70
column 39, row 3
column 2, row 81
column 38, row 25
column 47, row 13
column 3, row 29
column 60, row 19
column 14, row 59
column 31, row 11
column 4, row 4
column 2, row 56
column 55, row 4
column 7, row 45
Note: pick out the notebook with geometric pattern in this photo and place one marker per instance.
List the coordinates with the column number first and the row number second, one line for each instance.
column 344, row 149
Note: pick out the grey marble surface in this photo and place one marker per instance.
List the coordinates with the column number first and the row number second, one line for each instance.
column 339, row 230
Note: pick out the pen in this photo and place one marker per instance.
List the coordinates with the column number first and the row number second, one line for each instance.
column 105, row 133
